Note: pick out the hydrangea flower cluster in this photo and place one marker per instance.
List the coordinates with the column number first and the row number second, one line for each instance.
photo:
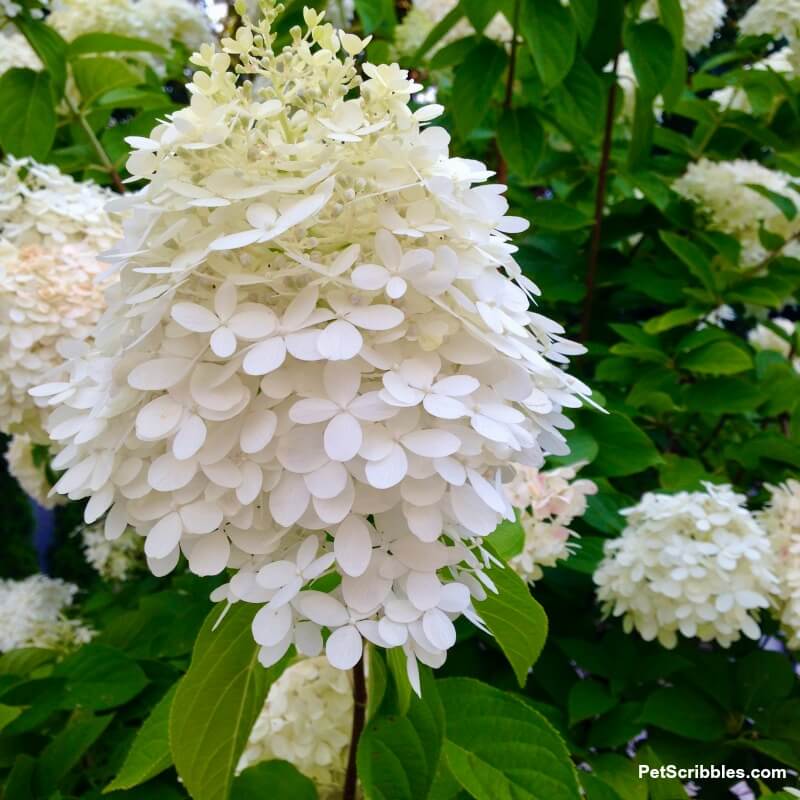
column 31, row 477
column 33, row 614
column 548, row 501
column 319, row 356
column 701, row 19
column 763, row 338
column 778, row 18
column 735, row 99
column 10, row 8
column 113, row 560
column 781, row 520
column 306, row 721
column 157, row 21
column 720, row 189
column 424, row 15
column 16, row 52
column 51, row 228
column 694, row 563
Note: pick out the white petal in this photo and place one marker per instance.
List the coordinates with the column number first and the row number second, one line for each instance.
column 455, row 598
column 258, row 428
column 163, row 566
column 201, row 517
column 439, row 629
column 209, row 555
column 288, row 500
column 158, row 418
column 312, row 410
column 252, row 481
column 369, row 277
column 424, row 522
column 269, row 656
column 265, row 357
column 321, row 608
column 328, row 481
column 344, row 647
column 194, row 317
column 225, row 300
column 236, row 240
column 342, row 437
column 308, row 639
column 393, row 633
column 223, row 342
column 396, row 288
column 431, row 443
column 276, row 574
column 191, row 436
column 166, row 473
column 423, row 589
column 253, row 324
column 158, row 374
column 340, row 341
column 444, row 407
column 389, row 471
column 341, row 382
column 376, row 318
column 223, row 473
column 271, row 625
column 388, row 249
column 163, row 537
column 352, row 545
column 456, row 385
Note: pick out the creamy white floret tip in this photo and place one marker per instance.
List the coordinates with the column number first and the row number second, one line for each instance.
column 319, row 355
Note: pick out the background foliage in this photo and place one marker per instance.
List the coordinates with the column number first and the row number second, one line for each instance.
column 630, row 269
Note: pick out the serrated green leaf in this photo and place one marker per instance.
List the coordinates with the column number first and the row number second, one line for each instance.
column 552, row 35
column 149, row 753
column 507, row 539
column 97, row 75
column 624, row 448
column 27, row 113
column 499, row 748
column 217, row 701
column 717, row 358
column 49, row 46
column 515, row 619
column 277, row 780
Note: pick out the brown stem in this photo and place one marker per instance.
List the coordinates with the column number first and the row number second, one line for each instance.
column 359, row 715
column 599, row 205
column 502, row 167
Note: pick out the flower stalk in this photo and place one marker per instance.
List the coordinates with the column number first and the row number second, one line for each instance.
column 359, row 716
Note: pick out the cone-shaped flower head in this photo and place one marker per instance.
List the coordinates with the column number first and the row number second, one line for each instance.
column 320, row 355
column 695, row 563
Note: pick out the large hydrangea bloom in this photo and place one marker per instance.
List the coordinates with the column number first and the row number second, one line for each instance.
column 695, row 563
column 723, row 195
column 781, row 520
column 701, row 19
column 157, row 21
column 306, row 720
column 780, row 18
column 319, row 355
column 548, row 502
column 16, row 52
column 33, row 614
column 31, row 476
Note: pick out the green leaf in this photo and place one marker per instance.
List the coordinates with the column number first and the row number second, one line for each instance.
column 581, row 100
column 217, row 702
column 585, row 14
column 439, row 31
column 100, row 677
column 521, row 141
column 499, row 748
column 681, row 474
column 19, row 784
column 582, row 447
column 400, row 686
column 50, row 48
column 624, row 448
column 783, row 203
column 617, row 727
column 650, row 46
column 587, row 699
column 371, row 13
column 508, row 538
column 25, row 660
column 642, row 133
column 27, row 113
column 8, row 714
column 65, row 750
column 621, row 774
column 149, row 754
column 724, row 396
column 110, row 43
column 474, row 84
column 671, row 16
column 659, row 788
column 277, row 780
column 684, row 712
column 398, row 754
column 717, row 358
column 479, row 13
column 698, row 262
column 515, row 619
column 673, row 319
column 558, row 216
column 763, row 678
column 552, row 36
column 97, row 75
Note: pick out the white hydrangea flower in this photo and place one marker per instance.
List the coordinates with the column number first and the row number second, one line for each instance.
column 307, row 720
column 548, row 501
column 701, row 19
column 158, row 21
column 694, row 563
column 781, row 520
column 49, row 305
column 41, row 206
column 31, row 478
column 113, row 560
column 16, row 52
column 424, row 15
column 10, row 8
column 339, row 13
column 735, row 98
column 779, row 18
column 763, row 338
column 720, row 189
column 319, row 356
column 33, row 614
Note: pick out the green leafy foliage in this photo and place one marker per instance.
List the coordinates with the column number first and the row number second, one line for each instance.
column 27, row 116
